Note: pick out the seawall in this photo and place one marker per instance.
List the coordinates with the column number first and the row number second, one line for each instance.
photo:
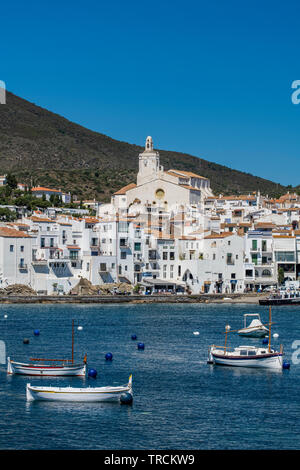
column 112, row 299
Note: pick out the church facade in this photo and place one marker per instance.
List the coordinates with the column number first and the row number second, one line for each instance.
column 162, row 189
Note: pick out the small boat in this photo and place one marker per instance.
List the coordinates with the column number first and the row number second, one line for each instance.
column 51, row 367
column 256, row 329
column 66, row 368
column 246, row 356
column 86, row 394
column 282, row 297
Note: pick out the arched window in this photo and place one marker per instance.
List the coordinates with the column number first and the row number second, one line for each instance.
column 266, row 273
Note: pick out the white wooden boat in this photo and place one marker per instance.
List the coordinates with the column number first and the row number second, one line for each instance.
column 51, row 367
column 246, row 356
column 86, row 394
column 66, row 368
column 255, row 329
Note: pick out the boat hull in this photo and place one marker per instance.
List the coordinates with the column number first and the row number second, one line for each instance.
column 279, row 301
column 253, row 333
column 45, row 370
column 88, row 394
column 269, row 361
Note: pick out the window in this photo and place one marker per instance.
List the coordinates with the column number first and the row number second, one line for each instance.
column 266, row 273
column 264, row 245
column 11, row 248
column 123, row 242
column 214, row 255
column 164, row 271
column 229, row 258
column 42, row 242
column 254, row 245
column 137, row 246
column 22, row 248
column 232, row 275
column 123, row 254
column 254, row 258
column 171, row 271
column 172, row 255
column 179, row 270
column 165, row 255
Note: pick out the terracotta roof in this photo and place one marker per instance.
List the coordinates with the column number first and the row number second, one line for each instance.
column 283, row 236
column 238, row 198
column 189, row 187
column 41, row 188
column 219, row 235
column 179, row 173
column 41, row 219
column 12, row 233
column 125, row 189
column 264, row 225
column 91, row 220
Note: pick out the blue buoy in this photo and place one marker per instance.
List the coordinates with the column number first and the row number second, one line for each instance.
column 108, row 356
column 286, row 365
column 92, row 373
column 133, row 337
column 265, row 341
column 126, row 398
column 141, row 346
column 36, row 332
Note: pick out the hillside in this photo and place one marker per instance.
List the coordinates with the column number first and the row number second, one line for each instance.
column 44, row 148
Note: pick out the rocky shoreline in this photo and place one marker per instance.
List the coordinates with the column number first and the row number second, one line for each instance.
column 250, row 298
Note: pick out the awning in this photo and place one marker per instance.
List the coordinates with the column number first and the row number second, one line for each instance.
column 161, row 282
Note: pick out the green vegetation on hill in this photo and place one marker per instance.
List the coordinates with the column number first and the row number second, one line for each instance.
column 43, row 148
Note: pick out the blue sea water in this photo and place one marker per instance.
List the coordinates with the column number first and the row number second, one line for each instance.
column 180, row 402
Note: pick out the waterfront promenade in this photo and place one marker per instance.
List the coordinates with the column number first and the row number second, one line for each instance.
column 252, row 298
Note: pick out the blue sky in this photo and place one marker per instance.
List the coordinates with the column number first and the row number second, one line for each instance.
column 209, row 78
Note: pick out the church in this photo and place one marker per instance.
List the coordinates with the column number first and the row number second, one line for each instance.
column 156, row 187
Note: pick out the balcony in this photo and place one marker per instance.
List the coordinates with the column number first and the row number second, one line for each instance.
column 23, row 267
column 124, row 245
column 39, row 262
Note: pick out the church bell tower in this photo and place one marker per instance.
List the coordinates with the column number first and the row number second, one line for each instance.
column 149, row 166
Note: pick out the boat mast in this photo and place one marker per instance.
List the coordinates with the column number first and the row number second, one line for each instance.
column 72, row 341
column 270, row 328
column 227, row 328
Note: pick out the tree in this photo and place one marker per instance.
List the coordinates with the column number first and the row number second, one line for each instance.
column 11, row 181
column 7, row 215
column 280, row 276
